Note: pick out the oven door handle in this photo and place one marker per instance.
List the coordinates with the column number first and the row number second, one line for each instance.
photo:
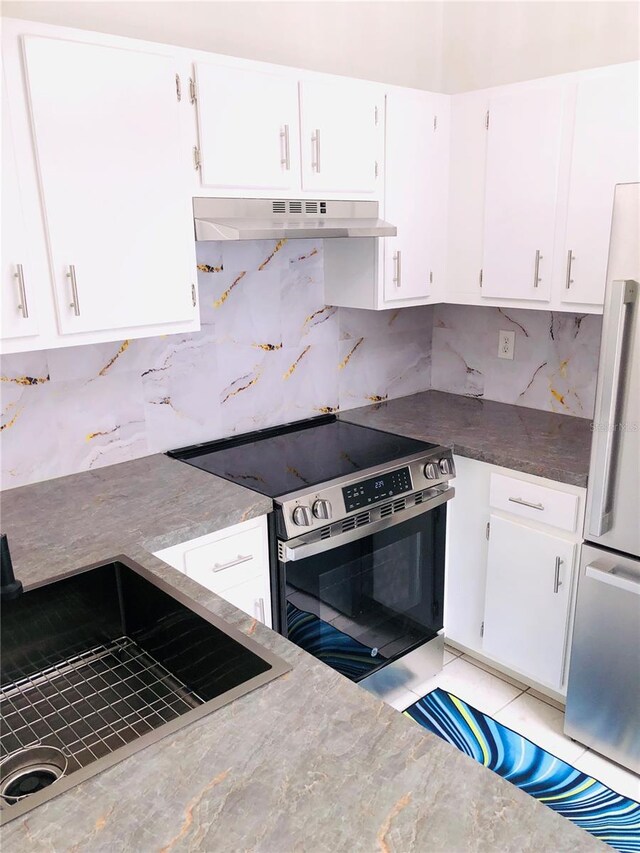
column 298, row 549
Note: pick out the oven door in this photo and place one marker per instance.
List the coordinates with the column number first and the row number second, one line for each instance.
column 370, row 596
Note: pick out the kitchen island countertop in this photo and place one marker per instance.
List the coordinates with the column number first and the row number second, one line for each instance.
column 542, row 443
column 308, row 763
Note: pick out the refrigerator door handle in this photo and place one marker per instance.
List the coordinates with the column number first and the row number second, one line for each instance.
column 608, row 404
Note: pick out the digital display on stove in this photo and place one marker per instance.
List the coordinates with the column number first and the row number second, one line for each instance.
column 377, row 489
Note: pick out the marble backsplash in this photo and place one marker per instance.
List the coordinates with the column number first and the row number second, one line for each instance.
column 269, row 351
column 555, row 356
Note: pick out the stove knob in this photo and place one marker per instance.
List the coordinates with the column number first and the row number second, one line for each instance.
column 302, row 516
column 445, row 466
column 322, row 509
column 431, row 471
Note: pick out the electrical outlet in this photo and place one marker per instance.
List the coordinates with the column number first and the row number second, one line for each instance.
column 506, row 344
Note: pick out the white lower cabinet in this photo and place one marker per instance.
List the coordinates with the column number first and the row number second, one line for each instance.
column 233, row 563
column 529, row 589
column 512, row 545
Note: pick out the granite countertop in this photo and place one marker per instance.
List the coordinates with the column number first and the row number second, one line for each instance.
column 309, row 762
column 516, row 437
column 63, row 524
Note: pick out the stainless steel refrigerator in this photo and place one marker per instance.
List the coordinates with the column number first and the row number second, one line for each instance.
column 603, row 693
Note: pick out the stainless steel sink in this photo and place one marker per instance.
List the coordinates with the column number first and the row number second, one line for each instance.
column 101, row 663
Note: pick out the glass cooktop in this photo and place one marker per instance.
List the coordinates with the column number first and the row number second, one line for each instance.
column 285, row 459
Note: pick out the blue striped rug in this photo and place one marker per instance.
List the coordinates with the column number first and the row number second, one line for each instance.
column 611, row 817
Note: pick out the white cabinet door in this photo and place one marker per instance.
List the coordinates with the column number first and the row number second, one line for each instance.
column 466, row 554
column 523, row 154
column 341, row 133
column 606, row 152
column 107, row 138
column 253, row 597
column 248, row 123
column 529, row 582
column 18, row 303
column 413, row 198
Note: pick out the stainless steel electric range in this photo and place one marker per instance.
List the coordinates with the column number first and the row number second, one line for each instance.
column 357, row 540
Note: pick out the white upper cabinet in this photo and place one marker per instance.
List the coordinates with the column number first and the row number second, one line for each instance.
column 529, row 592
column 341, row 136
column 117, row 212
column 606, row 152
column 19, row 308
column 248, row 128
column 407, row 269
column 523, row 156
column 416, row 148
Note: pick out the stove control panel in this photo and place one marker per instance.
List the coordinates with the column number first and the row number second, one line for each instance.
column 307, row 511
column 376, row 489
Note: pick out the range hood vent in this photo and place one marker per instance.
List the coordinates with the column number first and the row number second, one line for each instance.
column 265, row 219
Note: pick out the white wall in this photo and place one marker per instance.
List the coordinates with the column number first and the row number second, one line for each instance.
column 391, row 42
column 449, row 47
column 491, row 43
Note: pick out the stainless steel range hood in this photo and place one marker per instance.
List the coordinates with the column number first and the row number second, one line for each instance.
column 264, row 219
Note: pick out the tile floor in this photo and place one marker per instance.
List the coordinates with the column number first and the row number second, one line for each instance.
column 525, row 711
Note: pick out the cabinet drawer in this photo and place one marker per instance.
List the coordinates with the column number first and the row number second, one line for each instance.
column 229, row 561
column 530, row 500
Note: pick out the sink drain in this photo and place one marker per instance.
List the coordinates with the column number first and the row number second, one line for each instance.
column 29, row 771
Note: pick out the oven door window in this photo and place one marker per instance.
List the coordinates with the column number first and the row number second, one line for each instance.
column 361, row 605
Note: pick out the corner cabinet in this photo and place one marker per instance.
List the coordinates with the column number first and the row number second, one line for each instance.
column 523, row 158
column 415, row 198
column 233, row 563
column 408, row 269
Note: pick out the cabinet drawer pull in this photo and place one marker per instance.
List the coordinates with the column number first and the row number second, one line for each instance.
column 220, row 567
column 286, row 158
column 74, row 290
column 315, row 141
column 397, row 261
column 19, row 274
column 536, row 271
column 522, row 502
column 260, row 603
column 570, row 258
column 557, row 583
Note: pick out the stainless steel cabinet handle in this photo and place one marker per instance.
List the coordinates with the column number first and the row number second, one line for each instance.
column 315, row 141
column 74, row 290
column 286, row 158
column 526, row 503
column 220, row 567
column 19, row 274
column 609, row 402
column 397, row 261
column 260, row 603
column 536, row 271
column 570, row 258
column 557, row 583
